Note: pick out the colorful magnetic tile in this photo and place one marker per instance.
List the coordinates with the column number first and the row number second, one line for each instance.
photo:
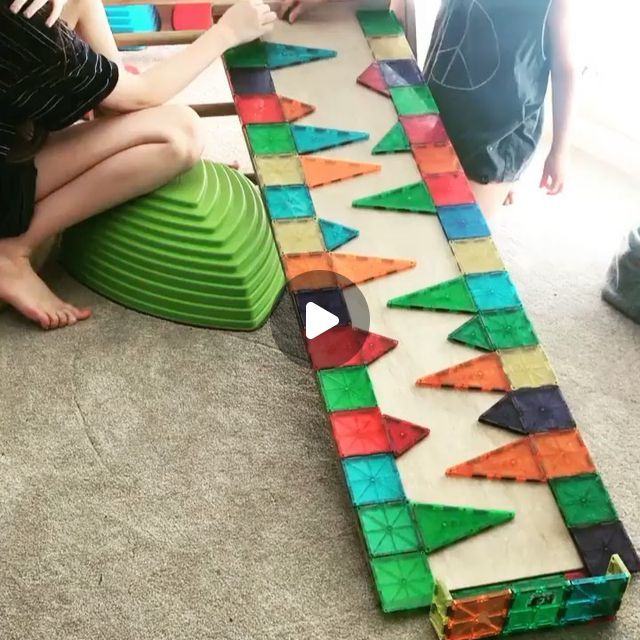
column 593, row 598
column 395, row 141
column 583, row 500
column 279, row 170
column 390, row 48
column 528, row 367
column 295, row 110
column 413, row 101
column 331, row 300
column 414, row 198
column 359, row 432
column 403, row 581
column 426, row 129
column 259, row 109
column 436, row 159
column 477, row 255
column 401, row 73
column 346, row 388
column 504, row 414
column 336, row 235
column 298, row 236
column 188, row 17
column 372, row 479
column 270, row 139
column 452, row 295
column 484, row 373
column 440, row 604
column 493, row 291
column 379, row 23
column 509, row 329
column 403, row 435
column 388, row 529
column 309, row 271
column 312, row 139
column 597, row 543
column 286, row 55
column 473, row 334
column 542, row 409
column 293, row 201
column 372, row 78
column 463, row 222
column 562, row 453
column 479, row 616
column 252, row 55
column 450, row 189
column 322, row 171
column 251, row 81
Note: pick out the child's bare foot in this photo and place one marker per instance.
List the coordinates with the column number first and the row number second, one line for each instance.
column 23, row 289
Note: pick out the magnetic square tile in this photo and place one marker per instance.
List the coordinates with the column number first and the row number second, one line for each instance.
column 401, row 73
column 561, row 453
column 426, row 129
column 528, row 367
column 372, row 479
column 298, row 236
column 379, row 23
column 259, row 109
column 463, row 222
column 493, row 291
column 594, row 598
column 450, row 189
column 583, row 500
column 510, row 329
column 543, row 409
column 331, row 300
column 251, row 55
column 279, row 170
column 390, row 48
column 251, row 81
column 347, row 388
column 388, row 529
column 289, row 202
column 271, row 139
column 477, row 255
column 413, row 101
column 310, row 271
column 359, row 432
column 436, row 159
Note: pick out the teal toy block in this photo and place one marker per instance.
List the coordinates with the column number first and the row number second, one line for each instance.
column 312, row 139
column 289, row 202
column 593, row 598
column 373, row 479
column 336, row 235
column 493, row 291
column 285, row 55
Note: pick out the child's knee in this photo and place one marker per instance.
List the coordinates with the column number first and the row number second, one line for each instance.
column 185, row 135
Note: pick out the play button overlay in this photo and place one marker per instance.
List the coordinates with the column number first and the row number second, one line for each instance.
column 322, row 320
column 318, row 320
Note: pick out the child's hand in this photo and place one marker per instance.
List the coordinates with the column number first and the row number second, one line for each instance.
column 245, row 21
column 33, row 7
column 295, row 8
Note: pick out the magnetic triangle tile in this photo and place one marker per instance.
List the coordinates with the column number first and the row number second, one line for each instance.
column 463, row 222
column 294, row 109
column 331, row 300
column 436, row 159
column 279, row 170
column 477, row 255
column 542, row 409
column 346, row 388
column 403, row 435
column 403, row 581
column 449, row 189
column 562, row 453
column 372, row 479
column 484, row 373
column 259, row 109
column 426, row 129
column 473, row 334
column 252, row 55
column 312, row 139
column 413, row 101
column 379, row 23
column 583, row 500
column 307, row 271
column 441, row 525
column 270, row 139
column 359, row 432
column 509, row 329
column 514, row 461
column 347, row 346
column 293, row 201
column 528, row 367
column 393, row 142
column 372, row 78
column 493, row 291
column 414, row 198
column 192, row 16
column 251, row 81
column 452, row 295
column 336, row 235
column 285, row 55
column 298, row 236
column 390, row 48
column 388, row 529
column 321, row 171
column 504, row 414
column 401, row 73
column 361, row 269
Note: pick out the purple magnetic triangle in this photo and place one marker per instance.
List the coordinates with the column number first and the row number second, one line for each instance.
column 504, row 414
column 542, row 409
column 596, row 545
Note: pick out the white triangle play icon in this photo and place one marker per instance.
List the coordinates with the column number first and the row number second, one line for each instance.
column 318, row 320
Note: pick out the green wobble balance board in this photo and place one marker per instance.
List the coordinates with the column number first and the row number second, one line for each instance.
column 198, row 251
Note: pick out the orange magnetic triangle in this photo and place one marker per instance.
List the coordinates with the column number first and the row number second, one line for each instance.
column 360, row 269
column 484, row 373
column 515, row 461
column 320, row 171
column 402, row 435
column 294, row 109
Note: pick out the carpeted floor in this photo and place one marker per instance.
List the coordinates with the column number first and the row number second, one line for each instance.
column 165, row 483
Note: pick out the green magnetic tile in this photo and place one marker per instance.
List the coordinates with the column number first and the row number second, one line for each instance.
column 388, row 529
column 583, row 500
column 452, row 295
column 473, row 334
column 394, row 141
column 379, row 23
column 509, row 329
column 595, row 597
column 271, row 139
column 413, row 101
column 346, row 388
column 252, row 55
column 527, row 583
column 373, row 479
column 403, row 582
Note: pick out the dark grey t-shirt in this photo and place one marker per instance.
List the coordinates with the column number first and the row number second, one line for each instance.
column 488, row 69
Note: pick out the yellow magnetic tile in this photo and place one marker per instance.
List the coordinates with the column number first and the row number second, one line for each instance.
column 528, row 367
column 274, row 171
column 391, row 48
column 477, row 256
column 298, row 236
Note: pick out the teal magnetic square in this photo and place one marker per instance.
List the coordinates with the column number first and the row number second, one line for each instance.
column 373, row 479
column 493, row 291
column 289, row 202
column 592, row 598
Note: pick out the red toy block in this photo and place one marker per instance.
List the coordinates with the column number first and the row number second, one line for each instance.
column 449, row 189
column 260, row 109
column 196, row 16
column 403, row 435
column 359, row 432
column 373, row 79
column 424, row 130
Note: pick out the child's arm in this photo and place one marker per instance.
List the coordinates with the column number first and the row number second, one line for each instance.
column 243, row 22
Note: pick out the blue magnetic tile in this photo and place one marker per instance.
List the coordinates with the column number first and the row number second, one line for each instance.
column 593, row 598
column 463, row 221
column 504, row 414
column 335, row 235
column 289, row 202
column 493, row 291
column 543, row 409
column 401, row 73
column 373, row 479
column 331, row 300
column 251, row 81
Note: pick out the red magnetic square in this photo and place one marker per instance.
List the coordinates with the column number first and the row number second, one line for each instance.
column 260, row 109
column 359, row 432
column 425, row 129
column 449, row 189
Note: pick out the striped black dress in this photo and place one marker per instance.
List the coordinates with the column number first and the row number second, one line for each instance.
column 48, row 77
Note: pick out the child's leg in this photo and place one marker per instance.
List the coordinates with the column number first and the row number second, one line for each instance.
column 84, row 171
column 490, row 197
